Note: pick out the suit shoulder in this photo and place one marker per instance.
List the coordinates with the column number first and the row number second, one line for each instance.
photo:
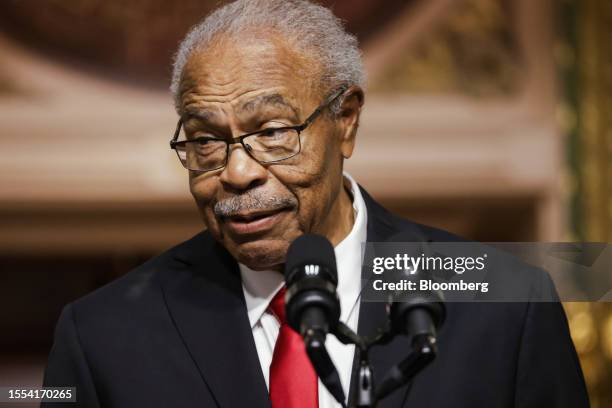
column 388, row 226
column 139, row 288
column 426, row 232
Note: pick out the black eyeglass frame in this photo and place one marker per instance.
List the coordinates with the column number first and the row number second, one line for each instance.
column 174, row 142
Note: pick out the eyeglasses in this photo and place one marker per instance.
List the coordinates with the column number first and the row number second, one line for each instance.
column 269, row 145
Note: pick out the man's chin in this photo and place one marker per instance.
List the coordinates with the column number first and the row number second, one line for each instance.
column 261, row 254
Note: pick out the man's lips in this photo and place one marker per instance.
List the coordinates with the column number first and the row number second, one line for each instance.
column 253, row 222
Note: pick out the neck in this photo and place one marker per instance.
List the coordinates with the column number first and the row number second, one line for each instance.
column 341, row 216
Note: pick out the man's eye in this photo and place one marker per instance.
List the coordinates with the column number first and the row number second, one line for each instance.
column 272, row 132
column 205, row 140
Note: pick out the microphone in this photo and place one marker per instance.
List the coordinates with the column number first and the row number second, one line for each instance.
column 311, row 279
column 419, row 315
column 312, row 305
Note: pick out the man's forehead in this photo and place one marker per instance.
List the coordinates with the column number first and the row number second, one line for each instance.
column 248, row 104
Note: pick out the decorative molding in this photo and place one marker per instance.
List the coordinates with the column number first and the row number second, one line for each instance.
column 471, row 49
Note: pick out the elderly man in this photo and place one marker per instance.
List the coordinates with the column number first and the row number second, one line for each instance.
column 269, row 95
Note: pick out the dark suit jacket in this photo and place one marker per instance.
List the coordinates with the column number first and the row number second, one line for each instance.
column 175, row 333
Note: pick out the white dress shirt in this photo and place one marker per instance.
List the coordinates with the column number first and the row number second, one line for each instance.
column 260, row 287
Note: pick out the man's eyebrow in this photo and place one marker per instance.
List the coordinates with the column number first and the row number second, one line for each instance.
column 202, row 114
column 274, row 99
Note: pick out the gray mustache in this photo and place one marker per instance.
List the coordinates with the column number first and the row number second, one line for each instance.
column 251, row 201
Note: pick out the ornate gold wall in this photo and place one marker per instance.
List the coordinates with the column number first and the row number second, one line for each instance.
column 585, row 62
column 595, row 116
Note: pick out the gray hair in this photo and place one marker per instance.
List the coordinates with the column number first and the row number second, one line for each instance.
column 310, row 26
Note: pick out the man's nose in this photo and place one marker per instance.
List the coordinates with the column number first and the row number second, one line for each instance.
column 241, row 171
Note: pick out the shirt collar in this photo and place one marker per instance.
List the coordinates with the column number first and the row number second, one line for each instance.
column 259, row 287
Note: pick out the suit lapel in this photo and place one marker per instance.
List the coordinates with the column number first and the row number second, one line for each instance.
column 205, row 300
column 382, row 225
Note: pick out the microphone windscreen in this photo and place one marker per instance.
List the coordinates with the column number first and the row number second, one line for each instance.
column 310, row 249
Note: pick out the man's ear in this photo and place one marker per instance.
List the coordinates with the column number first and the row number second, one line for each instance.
column 348, row 119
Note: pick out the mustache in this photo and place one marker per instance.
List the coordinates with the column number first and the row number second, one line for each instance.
column 252, row 200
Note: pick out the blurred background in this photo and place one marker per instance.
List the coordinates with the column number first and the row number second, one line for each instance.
column 489, row 118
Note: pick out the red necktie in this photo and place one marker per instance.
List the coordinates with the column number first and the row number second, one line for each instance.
column 293, row 381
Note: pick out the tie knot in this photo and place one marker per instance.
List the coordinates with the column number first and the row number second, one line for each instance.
column 277, row 305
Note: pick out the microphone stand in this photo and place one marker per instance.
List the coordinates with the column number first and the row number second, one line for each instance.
column 423, row 352
column 364, row 393
column 367, row 394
